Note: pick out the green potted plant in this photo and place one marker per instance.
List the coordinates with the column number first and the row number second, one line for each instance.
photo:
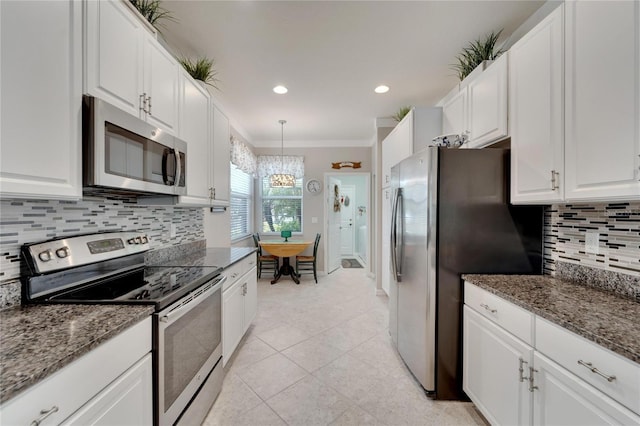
column 153, row 12
column 399, row 115
column 475, row 54
column 201, row 69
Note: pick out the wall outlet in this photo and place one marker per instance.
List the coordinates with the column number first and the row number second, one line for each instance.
column 314, row 220
column 592, row 243
column 172, row 230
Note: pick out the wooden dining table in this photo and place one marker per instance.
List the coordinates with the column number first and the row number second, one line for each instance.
column 284, row 249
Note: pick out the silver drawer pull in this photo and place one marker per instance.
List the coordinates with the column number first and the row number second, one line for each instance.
column 44, row 414
column 595, row 370
column 493, row 311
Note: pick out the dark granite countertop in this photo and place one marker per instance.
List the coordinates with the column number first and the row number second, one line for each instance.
column 38, row 340
column 221, row 257
column 597, row 315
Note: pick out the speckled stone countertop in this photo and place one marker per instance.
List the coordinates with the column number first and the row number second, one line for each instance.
column 597, row 315
column 222, row 257
column 38, row 340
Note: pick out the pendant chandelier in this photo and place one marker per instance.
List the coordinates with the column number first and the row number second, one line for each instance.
column 282, row 180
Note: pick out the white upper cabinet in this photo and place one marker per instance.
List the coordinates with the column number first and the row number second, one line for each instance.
column 41, row 85
column 454, row 114
column 161, row 76
column 194, row 129
column 487, row 99
column 602, row 139
column 220, row 158
column 397, row 146
column 127, row 67
column 536, row 125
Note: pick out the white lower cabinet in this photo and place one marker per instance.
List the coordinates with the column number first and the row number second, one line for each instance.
column 239, row 304
column 561, row 398
column 112, row 384
column 492, row 359
column 514, row 383
column 126, row 401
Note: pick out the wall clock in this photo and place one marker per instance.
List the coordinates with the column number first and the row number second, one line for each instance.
column 314, row 186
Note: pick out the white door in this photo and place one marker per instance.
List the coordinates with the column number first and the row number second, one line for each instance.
column 347, row 218
column 333, row 223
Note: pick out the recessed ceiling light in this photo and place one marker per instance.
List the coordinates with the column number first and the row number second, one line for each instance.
column 381, row 89
column 280, row 90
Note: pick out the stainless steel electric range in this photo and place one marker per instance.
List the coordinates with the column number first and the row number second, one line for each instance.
column 187, row 327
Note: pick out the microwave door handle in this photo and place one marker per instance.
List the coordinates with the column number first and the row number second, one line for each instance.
column 178, row 168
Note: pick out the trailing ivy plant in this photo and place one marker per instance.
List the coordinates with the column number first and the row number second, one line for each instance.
column 153, row 12
column 477, row 51
column 398, row 116
column 201, row 69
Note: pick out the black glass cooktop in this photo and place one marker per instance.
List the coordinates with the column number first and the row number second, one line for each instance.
column 147, row 285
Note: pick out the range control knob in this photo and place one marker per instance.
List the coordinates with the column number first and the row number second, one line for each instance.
column 45, row 256
column 138, row 240
column 145, row 240
column 131, row 241
column 62, row 252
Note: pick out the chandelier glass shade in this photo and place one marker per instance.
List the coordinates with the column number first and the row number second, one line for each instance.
column 282, row 180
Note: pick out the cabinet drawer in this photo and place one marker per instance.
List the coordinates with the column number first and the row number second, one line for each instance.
column 233, row 273
column 69, row 389
column 568, row 349
column 512, row 318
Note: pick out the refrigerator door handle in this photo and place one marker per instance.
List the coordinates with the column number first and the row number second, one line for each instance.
column 400, row 208
column 396, row 266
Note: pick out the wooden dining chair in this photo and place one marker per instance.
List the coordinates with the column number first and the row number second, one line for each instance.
column 267, row 262
column 307, row 264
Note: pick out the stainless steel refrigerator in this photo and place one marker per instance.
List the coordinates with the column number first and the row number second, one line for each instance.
column 451, row 215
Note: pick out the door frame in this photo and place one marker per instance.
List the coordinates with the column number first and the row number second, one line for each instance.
column 325, row 226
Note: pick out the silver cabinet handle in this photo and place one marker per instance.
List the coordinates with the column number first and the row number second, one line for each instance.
column 596, row 371
column 531, row 386
column 555, row 178
column 149, row 103
column 44, row 414
column 521, row 370
column 486, row 307
column 143, row 102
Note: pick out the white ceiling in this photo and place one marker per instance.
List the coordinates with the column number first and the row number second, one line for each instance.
column 331, row 55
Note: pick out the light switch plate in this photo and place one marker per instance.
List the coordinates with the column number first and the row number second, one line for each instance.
column 592, row 243
column 314, row 220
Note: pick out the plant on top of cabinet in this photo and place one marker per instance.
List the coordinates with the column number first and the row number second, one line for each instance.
column 201, row 69
column 398, row 116
column 153, row 12
column 475, row 53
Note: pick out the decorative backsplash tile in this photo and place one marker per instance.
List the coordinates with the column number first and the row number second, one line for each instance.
column 25, row 221
column 618, row 226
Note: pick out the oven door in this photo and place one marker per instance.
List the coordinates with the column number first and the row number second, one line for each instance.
column 189, row 336
column 123, row 152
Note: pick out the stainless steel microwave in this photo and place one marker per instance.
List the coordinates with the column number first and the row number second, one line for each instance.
column 123, row 153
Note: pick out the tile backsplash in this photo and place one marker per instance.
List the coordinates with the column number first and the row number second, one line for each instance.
column 25, row 221
column 618, row 226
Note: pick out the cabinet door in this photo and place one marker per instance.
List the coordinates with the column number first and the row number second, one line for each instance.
column 385, row 239
column 194, row 129
column 41, row 101
column 454, row 114
column 492, row 359
column 250, row 297
column 602, row 108
column 563, row 399
column 536, row 126
column 161, row 86
column 232, row 319
column 126, row 401
column 396, row 147
column 221, row 157
column 387, row 159
column 114, row 59
column 488, row 104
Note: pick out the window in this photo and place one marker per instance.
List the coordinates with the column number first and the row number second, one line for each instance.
column 281, row 208
column 240, row 204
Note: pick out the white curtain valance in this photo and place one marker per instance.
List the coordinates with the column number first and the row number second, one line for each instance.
column 274, row 164
column 242, row 157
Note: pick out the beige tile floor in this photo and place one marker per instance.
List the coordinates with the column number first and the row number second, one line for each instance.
column 320, row 354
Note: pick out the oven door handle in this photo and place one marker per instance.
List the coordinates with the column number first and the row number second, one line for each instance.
column 194, row 300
